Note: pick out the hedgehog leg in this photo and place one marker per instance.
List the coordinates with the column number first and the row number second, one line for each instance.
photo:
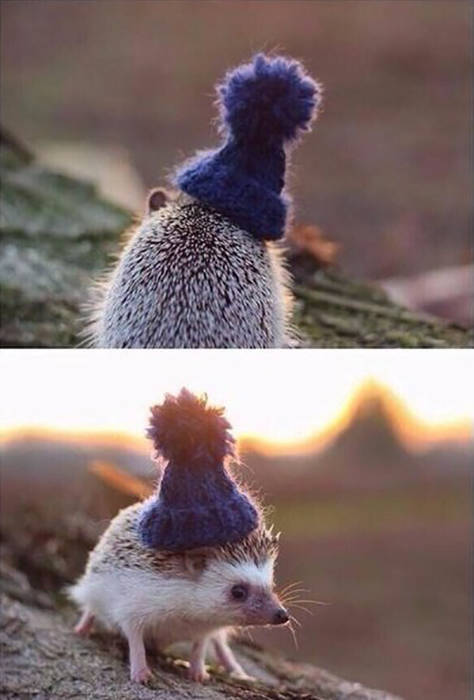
column 226, row 658
column 85, row 623
column 197, row 669
column 139, row 671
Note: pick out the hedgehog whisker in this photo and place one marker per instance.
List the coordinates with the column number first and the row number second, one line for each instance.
column 292, row 599
column 295, row 620
column 291, row 591
column 294, row 591
column 303, row 600
column 293, row 633
column 290, row 585
column 302, row 607
column 290, row 594
column 245, row 630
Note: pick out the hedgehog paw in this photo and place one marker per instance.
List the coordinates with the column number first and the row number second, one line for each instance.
column 198, row 675
column 242, row 676
column 140, row 675
column 84, row 625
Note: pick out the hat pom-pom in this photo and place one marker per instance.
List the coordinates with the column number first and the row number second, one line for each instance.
column 185, row 430
column 267, row 101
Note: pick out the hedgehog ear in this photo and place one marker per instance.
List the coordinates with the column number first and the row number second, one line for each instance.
column 195, row 561
column 157, row 199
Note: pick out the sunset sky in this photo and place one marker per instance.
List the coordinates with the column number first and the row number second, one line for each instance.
column 280, row 397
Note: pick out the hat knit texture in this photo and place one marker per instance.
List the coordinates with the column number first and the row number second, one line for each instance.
column 263, row 106
column 197, row 504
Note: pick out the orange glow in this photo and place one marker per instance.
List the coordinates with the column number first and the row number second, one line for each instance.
column 119, row 479
column 96, row 437
column 414, row 433
column 286, row 400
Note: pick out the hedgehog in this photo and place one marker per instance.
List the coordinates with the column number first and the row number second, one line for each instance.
column 193, row 562
column 204, row 268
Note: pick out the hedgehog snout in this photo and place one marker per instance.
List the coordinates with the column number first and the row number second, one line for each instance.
column 280, row 617
column 264, row 608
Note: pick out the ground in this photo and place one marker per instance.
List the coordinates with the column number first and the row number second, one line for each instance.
column 42, row 656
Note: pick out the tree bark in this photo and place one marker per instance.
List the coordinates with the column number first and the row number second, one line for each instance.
column 42, row 658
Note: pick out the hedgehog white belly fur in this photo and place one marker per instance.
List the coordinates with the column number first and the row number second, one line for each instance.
column 127, row 584
column 164, row 597
column 190, row 278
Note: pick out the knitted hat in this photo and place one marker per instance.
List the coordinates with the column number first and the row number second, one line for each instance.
column 263, row 105
column 198, row 503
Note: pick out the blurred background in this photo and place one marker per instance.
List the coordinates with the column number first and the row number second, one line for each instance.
column 122, row 91
column 368, row 473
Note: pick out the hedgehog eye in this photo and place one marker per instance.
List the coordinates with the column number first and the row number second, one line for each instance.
column 239, row 592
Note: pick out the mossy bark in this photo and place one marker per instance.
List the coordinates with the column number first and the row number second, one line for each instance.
column 335, row 311
column 58, row 235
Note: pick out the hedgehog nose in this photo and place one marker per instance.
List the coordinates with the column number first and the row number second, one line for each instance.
column 280, row 617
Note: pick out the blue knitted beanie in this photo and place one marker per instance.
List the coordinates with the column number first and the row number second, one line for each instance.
column 263, row 106
column 198, row 503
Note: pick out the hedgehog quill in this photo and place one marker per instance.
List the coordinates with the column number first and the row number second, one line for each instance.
column 202, row 270
column 194, row 561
